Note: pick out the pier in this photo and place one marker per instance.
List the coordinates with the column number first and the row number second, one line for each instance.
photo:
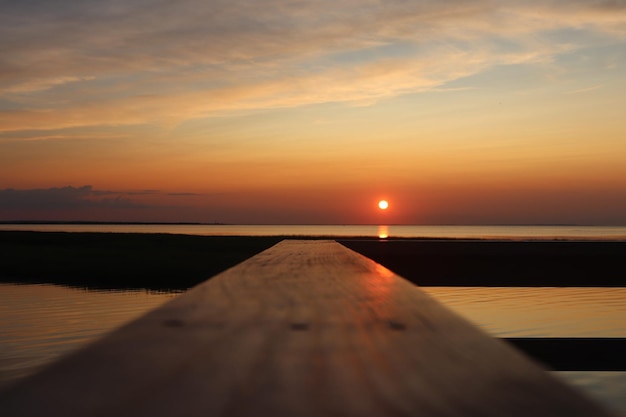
column 305, row 328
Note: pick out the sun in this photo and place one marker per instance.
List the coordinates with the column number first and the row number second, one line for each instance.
column 383, row 204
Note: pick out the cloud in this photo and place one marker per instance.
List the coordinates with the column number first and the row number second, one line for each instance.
column 68, row 64
column 56, row 135
column 185, row 194
column 63, row 198
column 586, row 89
column 39, row 84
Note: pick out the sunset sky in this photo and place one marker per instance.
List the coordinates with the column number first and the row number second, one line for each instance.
column 278, row 111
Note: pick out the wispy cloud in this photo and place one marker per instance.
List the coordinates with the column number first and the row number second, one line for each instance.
column 43, row 83
column 63, row 198
column 42, row 136
column 586, row 89
column 67, row 64
column 92, row 204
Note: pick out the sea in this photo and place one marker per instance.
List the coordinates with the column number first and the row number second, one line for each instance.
column 41, row 322
column 507, row 232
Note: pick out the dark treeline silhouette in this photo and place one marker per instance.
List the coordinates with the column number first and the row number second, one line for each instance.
column 178, row 262
column 500, row 263
column 121, row 260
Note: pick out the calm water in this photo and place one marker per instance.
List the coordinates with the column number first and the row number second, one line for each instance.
column 469, row 232
column 39, row 323
column 539, row 311
column 549, row 312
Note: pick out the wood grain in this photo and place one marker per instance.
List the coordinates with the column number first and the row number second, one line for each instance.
column 306, row 328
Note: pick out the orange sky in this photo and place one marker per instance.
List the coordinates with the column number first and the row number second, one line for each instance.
column 294, row 112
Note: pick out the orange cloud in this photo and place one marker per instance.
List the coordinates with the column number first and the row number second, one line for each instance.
column 210, row 58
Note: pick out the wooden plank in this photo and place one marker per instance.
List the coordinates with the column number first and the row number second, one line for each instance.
column 306, row 328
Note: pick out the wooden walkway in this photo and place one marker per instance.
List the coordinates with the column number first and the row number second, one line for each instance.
column 306, row 328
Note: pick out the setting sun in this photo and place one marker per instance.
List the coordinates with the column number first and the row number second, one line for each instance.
column 383, row 205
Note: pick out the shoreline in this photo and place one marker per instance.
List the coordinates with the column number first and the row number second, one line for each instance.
column 389, row 232
column 159, row 262
column 164, row 261
column 500, row 263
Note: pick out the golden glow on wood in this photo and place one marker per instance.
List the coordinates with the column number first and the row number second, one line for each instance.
column 305, row 328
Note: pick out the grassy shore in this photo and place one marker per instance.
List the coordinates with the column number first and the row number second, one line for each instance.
column 178, row 262
column 500, row 263
column 121, row 260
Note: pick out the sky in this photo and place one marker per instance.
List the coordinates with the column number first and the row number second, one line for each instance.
column 309, row 112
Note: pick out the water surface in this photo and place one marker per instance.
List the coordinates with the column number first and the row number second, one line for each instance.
column 539, row 311
column 549, row 312
column 40, row 322
column 384, row 231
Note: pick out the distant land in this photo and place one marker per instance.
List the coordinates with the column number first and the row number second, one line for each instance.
column 103, row 222
column 290, row 224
